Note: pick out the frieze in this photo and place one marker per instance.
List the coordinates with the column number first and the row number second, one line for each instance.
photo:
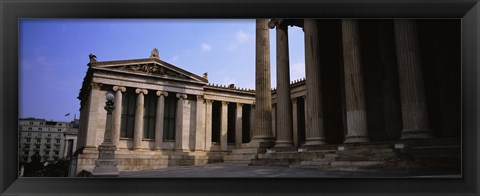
column 153, row 69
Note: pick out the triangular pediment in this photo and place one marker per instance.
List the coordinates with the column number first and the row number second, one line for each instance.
column 152, row 67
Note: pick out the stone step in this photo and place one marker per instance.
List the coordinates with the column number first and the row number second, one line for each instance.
column 274, row 162
column 350, row 164
column 239, row 157
column 315, row 163
column 246, row 151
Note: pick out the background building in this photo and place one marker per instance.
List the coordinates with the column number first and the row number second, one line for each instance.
column 45, row 138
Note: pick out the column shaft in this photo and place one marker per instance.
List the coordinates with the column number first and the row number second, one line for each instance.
column 138, row 125
column 117, row 114
column 179, row 122
column 262, row 134
column 315, row 133
column 200, row 124
column 354, row 89
column 159, row 119
column 412, row 92
column 238, row 126
column 284, row 104
column 295, row 121
column 224, row 127
column 274, row 119
column 208, row 124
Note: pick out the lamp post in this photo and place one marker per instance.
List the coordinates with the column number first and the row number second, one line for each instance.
column 106, row 165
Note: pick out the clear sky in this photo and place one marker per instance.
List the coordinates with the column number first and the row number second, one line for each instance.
column 54, row 53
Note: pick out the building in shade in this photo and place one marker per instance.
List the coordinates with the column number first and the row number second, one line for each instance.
column 45, row 138
column 377, row 94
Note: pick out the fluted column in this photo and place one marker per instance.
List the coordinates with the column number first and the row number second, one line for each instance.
column 284, row 104
column 208, row 124
column 179, row 122
column 295, row 121
column 262, row 134
column 315, row 133
column 200, row 124
column 224, row 127
column 412, row 90
column 354, row 90
column 138, row 126
column 274, row 119
column 239, row 125
column 159, row 119
column 117, row 114
column 391, row 97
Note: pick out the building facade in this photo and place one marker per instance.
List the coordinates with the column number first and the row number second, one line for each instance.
column 45, row 138
column 376, row 83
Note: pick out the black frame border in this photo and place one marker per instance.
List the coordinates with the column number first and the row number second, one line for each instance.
column 13, row 10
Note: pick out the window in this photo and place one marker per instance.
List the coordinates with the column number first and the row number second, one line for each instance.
column 29, row 128
column 57, row 140
column 39, row 140
column 37, row 146
column 41, row 123
column 49, row 135
column 48, row 140
column 169, row 117
column 128, row 115
column 60, row 124
column 26, row 153
column 150, row 108
column 28, row 140
column 31, row 123
column 59, row 129
column 40, row 128
column 56, row 152
column 29, row 134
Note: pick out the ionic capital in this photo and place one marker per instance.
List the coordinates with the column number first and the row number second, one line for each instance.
column 200, row 97
column 162, row 93
column 139, row 90
column 179, row 95
column 239, row 104
column 119, row 88
column 208, row 101
column 224, row 103
column 294, row 100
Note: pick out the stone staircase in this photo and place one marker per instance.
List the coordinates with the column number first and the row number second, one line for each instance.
column 386, row 156
column 242, row 156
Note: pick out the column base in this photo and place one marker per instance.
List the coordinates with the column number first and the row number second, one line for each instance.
column 356, row 139
column 315, row 141
column 261, row 142
column 416, row 134
column 283, row 144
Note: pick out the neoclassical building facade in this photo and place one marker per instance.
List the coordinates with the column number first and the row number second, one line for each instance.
column 372, row 82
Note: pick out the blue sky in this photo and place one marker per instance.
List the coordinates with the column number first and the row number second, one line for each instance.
column 53, row 55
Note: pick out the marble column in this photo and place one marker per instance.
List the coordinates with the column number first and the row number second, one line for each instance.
column 315, row 133
column 239, row 125
column 179, row 122
column 138, row 125
column 262, row 134
column 284, row 104
column 200, row 124
column 274, row 118
column 208, row 124
column 117, row 114
column 412, row 90
column 224, row 126
column 354, row 89
column 295, row 121
column 391, row 97
column 159, row 119
column 252, row 121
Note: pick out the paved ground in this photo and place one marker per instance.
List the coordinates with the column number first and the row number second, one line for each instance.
column 236, row 170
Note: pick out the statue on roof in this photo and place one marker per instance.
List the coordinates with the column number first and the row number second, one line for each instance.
column 154, row 54
column 92, row 58
column 205, row 75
